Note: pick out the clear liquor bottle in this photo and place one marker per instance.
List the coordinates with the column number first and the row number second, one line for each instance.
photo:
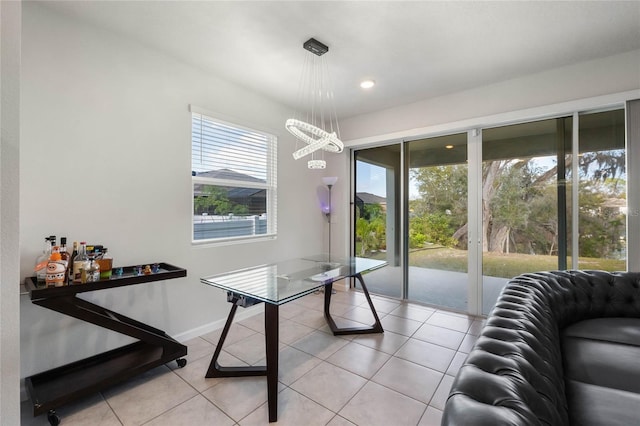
column 80, row 263
column 42, row 261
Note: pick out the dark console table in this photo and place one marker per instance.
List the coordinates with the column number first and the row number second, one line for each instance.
column 54, row 388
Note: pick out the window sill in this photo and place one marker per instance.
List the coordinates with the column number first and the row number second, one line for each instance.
column 232, row 241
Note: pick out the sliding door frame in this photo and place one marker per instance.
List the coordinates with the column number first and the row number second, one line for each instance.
column 474, row 155
column 474, row 220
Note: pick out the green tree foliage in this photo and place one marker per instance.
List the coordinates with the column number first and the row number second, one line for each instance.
column 601, row 222
column 442, row 189
column 520, row 207
column 540, row 234
column 521, row 200
column 517, row 186
column 215, row 200
column 371, row 228
column 603, row 165
column 442, row 206
column 432, row 228
column 372, row 212
column 600, row 225
column 509, row 206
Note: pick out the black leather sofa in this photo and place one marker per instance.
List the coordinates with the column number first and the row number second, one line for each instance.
column 559, row 348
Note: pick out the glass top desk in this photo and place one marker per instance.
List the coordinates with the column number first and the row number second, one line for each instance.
column 276, row 284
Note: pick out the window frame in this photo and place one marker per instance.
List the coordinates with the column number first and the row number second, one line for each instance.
column 269, row 185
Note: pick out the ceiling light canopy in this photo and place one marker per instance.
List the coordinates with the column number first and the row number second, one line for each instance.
column 316, row 124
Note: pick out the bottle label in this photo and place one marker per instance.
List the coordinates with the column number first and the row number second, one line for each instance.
column 78, row 267
column 55, row 274
column 105, row 267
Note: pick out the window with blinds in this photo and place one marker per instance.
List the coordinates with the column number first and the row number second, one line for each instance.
column 233, row 171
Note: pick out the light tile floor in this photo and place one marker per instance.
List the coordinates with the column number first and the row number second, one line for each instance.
column 401, row 377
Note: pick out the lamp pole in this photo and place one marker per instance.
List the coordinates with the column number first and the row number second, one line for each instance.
column 329, row 181
column 329, row 219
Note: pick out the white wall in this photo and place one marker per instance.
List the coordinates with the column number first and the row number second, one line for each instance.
column 10, row 23
column 105, row 157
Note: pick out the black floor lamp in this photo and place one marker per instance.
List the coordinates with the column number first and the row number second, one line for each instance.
column 329, row 181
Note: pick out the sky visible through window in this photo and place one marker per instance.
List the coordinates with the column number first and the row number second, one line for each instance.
column 371, row 179
column 216, row 146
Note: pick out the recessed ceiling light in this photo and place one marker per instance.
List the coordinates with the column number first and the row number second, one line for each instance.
column 367, row 84
column 448, row 146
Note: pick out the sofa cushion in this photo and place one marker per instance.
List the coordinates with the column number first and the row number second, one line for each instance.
column 601, row 359
column 591, row 405
column 603, row 352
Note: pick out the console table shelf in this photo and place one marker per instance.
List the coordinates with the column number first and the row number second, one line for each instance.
column 54, row 388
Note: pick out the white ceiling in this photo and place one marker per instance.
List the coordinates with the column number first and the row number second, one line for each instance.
column 413, row 50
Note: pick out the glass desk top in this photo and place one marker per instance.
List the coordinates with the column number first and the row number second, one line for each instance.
column 281, row 282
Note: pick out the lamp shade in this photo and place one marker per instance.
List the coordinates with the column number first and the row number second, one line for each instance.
column 330, row 180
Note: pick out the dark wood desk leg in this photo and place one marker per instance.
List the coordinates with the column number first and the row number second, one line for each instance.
column 216, row 370
column 271, row 339
column 214, row 367
column 376, row 327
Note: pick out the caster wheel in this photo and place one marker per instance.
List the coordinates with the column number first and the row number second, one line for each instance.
column 53, row 418
column 181, row 362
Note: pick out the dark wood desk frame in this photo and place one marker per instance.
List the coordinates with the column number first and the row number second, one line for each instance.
column 271, row 328
column 376, row 327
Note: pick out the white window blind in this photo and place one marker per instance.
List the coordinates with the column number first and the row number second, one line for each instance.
column 234, row 174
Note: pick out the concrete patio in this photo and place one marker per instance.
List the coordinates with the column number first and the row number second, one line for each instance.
column 433, row 286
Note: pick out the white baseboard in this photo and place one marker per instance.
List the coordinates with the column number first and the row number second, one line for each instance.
column 212, row 326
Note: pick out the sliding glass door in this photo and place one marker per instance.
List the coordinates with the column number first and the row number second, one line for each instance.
column 437, row 221
column 377, row 217
column 457, row 216
column 524, row 209
column 602, row 224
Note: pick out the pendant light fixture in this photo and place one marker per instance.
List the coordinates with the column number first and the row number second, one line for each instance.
column 315, row 126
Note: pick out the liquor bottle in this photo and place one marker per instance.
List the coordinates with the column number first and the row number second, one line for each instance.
column 55, row 269
column 92, row 273
column 42, row 261
column 64, row 254
column 106, row 263
column 80, row 263
column 71, row 258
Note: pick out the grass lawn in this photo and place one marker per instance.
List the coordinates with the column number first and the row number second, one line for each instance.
column 500, row 265
column 495, row 264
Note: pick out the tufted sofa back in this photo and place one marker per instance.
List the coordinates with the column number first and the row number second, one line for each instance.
column 513, row 375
